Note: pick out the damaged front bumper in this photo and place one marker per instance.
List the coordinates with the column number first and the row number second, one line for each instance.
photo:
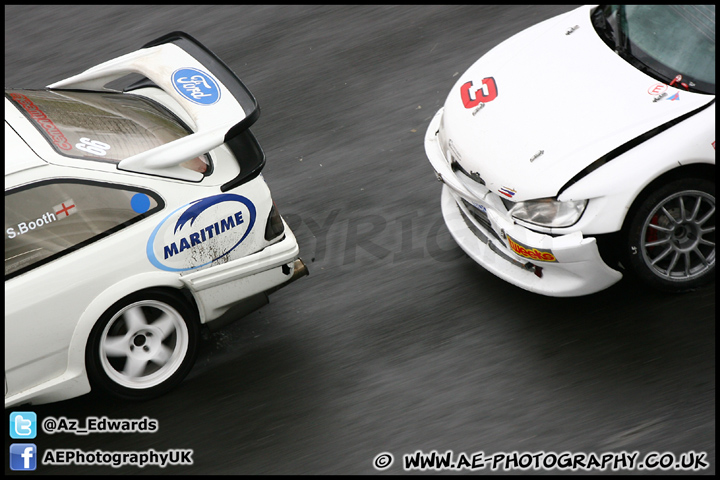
column 561, row 266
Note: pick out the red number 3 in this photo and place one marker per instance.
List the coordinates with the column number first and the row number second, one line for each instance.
column 486, row 93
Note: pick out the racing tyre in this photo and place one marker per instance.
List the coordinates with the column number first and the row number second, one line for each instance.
column 143, row 346
column 670, row 237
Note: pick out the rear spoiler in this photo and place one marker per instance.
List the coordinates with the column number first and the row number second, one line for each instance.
column 219, row 104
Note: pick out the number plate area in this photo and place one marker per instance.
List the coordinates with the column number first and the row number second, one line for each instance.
column 479, row 214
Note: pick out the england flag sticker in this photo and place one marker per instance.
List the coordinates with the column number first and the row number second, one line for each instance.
column 65, row 209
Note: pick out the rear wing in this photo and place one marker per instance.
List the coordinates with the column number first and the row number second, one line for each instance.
column 218, row 103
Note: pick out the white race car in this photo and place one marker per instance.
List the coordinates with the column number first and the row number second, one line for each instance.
column 132, row 218
column 583, row 148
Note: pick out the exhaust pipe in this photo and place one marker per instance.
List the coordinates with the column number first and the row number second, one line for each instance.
column 258, row 300
column 299, row 271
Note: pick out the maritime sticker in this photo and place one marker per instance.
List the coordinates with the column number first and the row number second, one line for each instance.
column 201, row 232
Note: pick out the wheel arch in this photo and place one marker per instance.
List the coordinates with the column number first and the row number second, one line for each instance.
column 611, row 244
column 616, row 182
column 694, row 170
column 635, row 257
column 118, row 292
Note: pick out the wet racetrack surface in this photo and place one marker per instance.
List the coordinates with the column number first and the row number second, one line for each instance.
column 396, row 342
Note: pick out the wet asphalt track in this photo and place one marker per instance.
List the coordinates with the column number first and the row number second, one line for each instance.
column 396, row 342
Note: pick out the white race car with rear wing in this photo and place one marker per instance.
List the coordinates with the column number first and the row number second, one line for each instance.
column 133, row 218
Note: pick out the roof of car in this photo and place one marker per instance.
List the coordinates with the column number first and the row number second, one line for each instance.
column 18, row 155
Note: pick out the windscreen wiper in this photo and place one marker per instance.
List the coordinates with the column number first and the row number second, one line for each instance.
column 601, row 24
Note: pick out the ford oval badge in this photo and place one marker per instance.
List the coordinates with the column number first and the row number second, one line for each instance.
column 196, row 86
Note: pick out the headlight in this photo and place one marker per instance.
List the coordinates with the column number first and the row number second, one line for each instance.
column 548, row 212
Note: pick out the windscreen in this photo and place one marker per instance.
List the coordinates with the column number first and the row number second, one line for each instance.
column 674, row 43
column 104, row 127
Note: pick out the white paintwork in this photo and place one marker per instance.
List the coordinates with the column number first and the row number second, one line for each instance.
column 18, row 155
column 50, row 310
column 158, row 63
column 579, row 272
column 572, row 98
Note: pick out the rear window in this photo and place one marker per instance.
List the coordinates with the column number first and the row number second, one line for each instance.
column 49, row 219
column 104, row 127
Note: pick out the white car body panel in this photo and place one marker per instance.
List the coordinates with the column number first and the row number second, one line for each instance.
column 50, row 310
column 17, row 163
column 210, row 122
column 620, row 181
column 117, row 278
column 591, row 103
column 587, row 77
column 581, row 272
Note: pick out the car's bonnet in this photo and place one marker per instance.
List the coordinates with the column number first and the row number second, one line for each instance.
column 556, row 99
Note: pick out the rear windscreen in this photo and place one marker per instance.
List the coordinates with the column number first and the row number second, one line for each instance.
column 105, row 127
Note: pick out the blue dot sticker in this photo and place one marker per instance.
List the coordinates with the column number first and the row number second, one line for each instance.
column 140, row 203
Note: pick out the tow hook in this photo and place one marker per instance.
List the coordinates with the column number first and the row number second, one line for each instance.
column 534, row 268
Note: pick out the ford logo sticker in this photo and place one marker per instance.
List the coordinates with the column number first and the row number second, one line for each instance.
column 196, row 86
column 201, row 232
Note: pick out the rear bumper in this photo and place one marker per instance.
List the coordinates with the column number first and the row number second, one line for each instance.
column 215, row 290
column 219, row 288
column 561, row 266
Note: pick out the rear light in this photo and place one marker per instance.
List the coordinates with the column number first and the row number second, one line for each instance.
column 274, row 227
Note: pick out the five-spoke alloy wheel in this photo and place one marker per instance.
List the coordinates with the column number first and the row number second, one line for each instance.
column 143, row 346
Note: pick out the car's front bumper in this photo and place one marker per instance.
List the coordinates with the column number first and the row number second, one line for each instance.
column 561, row 266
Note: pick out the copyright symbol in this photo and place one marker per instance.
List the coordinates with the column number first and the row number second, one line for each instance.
column 49, row 425
column 383, row 461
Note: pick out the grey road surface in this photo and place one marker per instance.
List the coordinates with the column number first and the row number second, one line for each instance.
column 396, row 342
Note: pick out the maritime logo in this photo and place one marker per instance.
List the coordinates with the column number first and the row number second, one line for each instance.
column 201, row 232
column 196, row 86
